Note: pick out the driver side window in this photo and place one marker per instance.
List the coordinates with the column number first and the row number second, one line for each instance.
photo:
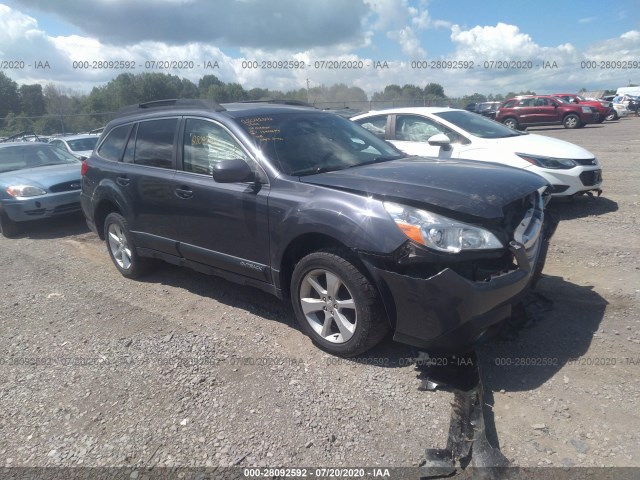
column 205, row 144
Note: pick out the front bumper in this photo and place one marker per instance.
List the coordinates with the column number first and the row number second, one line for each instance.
column 448, row 313
column 569, row 182
column 22, row 209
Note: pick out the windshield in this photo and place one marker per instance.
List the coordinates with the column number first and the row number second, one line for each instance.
column 305, row 143
column 82, row 144
column 19, row 157
column 477, row 125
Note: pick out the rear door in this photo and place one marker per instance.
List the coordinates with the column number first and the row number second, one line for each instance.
column 147, row 178
column 527, row 111
column 223, row 225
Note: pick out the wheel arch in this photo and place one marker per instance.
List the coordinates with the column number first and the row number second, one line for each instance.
column 104, row 208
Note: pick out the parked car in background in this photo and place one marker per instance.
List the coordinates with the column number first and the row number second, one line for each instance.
column 311, row 207
column 488, row 109
column 36, row 181
column 80, row 146
column 471, row 107
column 453, row 133
column 536, row 110
column 620, row 110
column 632, row 103
column 604, row 108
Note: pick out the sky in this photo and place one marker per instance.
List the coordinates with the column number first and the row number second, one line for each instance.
column 467, row 46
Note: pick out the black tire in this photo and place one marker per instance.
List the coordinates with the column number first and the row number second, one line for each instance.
column 8, row 227
column 366, row 317
column 601, row 120
column 118, row 238
column 511, row 123
column 612, row 116
column 571, row 121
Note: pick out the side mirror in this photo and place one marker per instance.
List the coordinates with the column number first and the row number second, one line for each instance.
column 233, row 171
column 439, row 140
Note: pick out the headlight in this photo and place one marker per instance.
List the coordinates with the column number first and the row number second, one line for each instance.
column 586, row 109
column 25, row 191
column 438, row 232
column 548, row 162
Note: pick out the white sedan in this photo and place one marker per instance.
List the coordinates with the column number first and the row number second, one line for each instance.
column 453, row 133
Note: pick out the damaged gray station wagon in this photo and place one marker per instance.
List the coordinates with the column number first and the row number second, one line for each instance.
column 313, row 208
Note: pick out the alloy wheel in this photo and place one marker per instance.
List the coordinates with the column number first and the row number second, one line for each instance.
column 328, row 306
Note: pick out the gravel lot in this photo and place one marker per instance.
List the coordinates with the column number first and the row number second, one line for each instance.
column 182, row 369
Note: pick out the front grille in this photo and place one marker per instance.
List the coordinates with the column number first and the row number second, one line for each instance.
column 591, row 177
column 65, row 187
column 585, row 161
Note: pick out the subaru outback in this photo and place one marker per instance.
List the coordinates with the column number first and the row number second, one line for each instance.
column 313, row 208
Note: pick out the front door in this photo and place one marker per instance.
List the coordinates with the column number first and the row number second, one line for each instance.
column 223, row 225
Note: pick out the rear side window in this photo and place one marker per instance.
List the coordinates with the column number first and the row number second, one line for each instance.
column 154, row 143
column 376, row 125
column 111, row 148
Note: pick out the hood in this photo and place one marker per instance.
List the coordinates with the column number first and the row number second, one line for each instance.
column 43, row 177
column 544, row 146
column 479, row 189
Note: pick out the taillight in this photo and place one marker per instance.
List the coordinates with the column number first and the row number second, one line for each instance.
column 84, row 168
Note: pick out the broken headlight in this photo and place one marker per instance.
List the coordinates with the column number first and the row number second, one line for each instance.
column 438, row 232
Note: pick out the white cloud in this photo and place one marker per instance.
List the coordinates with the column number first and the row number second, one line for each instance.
column 409, row 43
column 21, row 38
column 248, row 23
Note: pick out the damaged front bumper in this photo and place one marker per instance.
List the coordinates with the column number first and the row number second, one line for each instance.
column 450, row 313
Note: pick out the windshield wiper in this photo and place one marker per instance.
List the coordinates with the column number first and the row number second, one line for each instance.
column 314, row 170
column 378, row 160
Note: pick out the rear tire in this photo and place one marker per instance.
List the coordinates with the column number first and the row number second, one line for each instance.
column 8, row 227
column 511, row 123
column 121, row 248
column 336, row 305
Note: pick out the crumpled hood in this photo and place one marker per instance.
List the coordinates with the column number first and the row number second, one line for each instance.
column 43, row 177
column 479, row 189
column 544, row 146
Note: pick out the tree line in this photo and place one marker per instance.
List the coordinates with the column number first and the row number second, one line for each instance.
column 49, row 109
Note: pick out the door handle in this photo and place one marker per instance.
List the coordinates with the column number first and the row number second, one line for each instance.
column 123, row 181
column 184, row 192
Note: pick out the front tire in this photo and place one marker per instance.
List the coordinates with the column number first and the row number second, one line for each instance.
column 572, row 121
column 336, row 305
column 8, row 227
column 612, row 116
column 121, row 248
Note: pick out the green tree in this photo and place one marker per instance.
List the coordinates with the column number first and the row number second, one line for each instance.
column 434, row 90
column 9, row 97
column 32, row 99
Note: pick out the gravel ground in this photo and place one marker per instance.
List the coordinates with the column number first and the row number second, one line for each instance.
column 182, row 369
